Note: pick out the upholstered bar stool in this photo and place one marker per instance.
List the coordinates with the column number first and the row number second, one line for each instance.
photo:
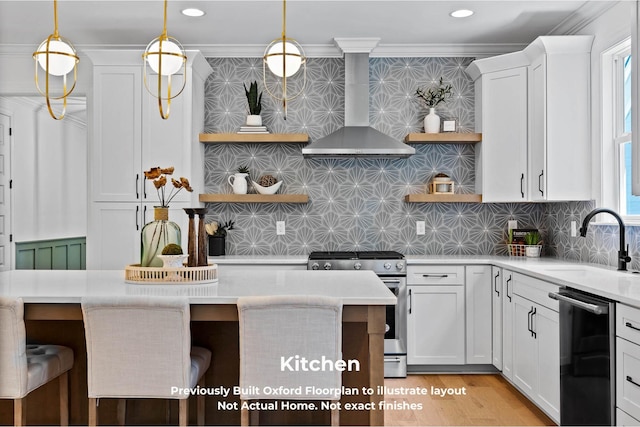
column 24, row 368
column 140, row 348
column 288, row 326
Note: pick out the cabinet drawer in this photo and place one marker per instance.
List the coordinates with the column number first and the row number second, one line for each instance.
column 535, row 290
column 628, row 377
column 628, row 323
column 435, row 275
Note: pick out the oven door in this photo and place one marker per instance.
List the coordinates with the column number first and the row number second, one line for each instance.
column 395, row 350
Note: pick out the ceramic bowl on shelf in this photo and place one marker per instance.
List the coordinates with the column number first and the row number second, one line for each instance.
column 272, row 189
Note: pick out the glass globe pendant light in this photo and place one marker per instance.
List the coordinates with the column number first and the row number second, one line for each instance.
column 56, row 57
column 166, row 57
column 284, row 57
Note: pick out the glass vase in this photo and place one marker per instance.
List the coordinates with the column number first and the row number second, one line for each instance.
column 156, row 235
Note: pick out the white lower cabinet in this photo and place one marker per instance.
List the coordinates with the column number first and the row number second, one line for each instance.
column 507, row 324
column 627, row 365
column 536, row 344
column 435, row 325
column 478, row 302
column 497, row 295
column 624, row 419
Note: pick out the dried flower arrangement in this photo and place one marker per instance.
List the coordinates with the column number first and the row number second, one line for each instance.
column 159, row 175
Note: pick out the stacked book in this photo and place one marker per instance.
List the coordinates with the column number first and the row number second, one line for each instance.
column 253, row 129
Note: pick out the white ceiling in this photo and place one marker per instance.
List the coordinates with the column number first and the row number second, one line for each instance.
column 245, row 24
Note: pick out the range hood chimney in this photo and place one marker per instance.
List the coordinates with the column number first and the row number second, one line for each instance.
column 357, row 138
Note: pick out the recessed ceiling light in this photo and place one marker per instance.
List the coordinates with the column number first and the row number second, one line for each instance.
column 462, row 13
column 192, row 12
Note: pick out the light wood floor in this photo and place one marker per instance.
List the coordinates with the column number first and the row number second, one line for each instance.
column 489, row 400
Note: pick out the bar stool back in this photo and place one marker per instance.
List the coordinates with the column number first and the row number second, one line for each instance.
column 140, row 347
column 24, row 368
column 276, row 327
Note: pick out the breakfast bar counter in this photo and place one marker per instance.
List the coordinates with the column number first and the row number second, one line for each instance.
column 53, row 315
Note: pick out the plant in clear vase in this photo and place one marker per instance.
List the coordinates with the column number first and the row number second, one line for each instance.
column 160, row 232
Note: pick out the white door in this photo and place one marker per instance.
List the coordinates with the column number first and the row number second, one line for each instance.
column 496, row 306
column 507, row 324
column 504, row 136
column 435, row 325
column 5, row 195
column 525, row 347
column 478, row 290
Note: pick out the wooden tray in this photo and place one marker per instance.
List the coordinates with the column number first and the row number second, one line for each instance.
column 134, row 273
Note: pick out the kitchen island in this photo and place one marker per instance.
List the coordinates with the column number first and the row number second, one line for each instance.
column 53, row 315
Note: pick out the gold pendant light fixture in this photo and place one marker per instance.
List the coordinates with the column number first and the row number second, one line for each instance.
column 166, row 57
column 284, row 57
column 56, row 57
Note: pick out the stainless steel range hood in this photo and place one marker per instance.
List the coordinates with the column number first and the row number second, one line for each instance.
column 357, row 138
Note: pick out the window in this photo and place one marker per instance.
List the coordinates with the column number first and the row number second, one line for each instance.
column 629, row 205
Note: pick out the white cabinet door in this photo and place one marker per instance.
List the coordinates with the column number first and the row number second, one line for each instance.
column 501, row 157
column 507, row 324
column 478, row 299
column 113, row 240
column 435, row 325
column 525, row 348
column 559, row 119
column 115, row 142
column 497, row 295
column 547, row 334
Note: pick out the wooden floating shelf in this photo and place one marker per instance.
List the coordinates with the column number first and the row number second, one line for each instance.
column 229, row 138
column 444, row 138
column 254, row 198
column 443, row 198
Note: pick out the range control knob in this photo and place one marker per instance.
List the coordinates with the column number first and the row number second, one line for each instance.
column 327, row 266
column 315, row 266
column 399, row 265
column 357, row 266
column 387, row 266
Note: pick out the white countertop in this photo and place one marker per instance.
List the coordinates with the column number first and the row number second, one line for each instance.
column 260, row 259
column 69, row 286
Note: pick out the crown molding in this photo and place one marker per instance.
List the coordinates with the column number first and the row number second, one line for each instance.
column 311, row 51
column 585, row 15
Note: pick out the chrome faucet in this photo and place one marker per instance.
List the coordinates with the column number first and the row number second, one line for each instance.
column 623, row 252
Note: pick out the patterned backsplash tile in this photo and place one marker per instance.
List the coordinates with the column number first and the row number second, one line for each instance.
column 358, row 204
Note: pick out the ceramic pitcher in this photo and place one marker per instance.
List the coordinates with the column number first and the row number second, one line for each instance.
column 239, row 183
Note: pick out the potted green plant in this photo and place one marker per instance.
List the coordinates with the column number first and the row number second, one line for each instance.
column 172, row 256
column 217, row 234
column 533, row 242
column 432, row 97
column 255, row 104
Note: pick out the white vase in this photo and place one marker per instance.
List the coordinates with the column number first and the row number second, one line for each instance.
column 254, row 120
column 238, row 182
column 432, row 122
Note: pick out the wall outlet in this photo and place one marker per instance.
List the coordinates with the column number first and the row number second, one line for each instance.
column 420, row 228
column 280, row 228
column 574, row 229
column 512, row 224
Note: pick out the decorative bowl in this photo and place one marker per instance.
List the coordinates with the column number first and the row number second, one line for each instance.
column 272, row 189
column 172, row 261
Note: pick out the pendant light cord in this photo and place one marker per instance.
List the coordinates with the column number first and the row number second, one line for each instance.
column 55, row 19
column 164, row 27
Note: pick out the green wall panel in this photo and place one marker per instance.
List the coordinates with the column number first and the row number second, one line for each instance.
column 55, row 254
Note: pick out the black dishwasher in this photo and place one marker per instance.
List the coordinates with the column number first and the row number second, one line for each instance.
column 587, row 362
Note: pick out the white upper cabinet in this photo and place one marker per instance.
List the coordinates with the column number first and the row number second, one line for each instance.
column 559, row 124
column 532, row 108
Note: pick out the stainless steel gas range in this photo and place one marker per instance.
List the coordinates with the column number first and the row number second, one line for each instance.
column 392, row 269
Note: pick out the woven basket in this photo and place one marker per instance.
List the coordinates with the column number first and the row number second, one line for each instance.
column 521, row 250
column 134, row 273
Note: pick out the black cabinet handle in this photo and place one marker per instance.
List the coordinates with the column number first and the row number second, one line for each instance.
column 137, row 186
column 137, row 223
column 507, row 293
column 540, row 182
column 522, row 185
column 410, row 301
column 529, row 321
column 441, row 276
column 144, row 215
column 629, row 379
column 629, row 325
column 533, row 333
column 495, row 283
